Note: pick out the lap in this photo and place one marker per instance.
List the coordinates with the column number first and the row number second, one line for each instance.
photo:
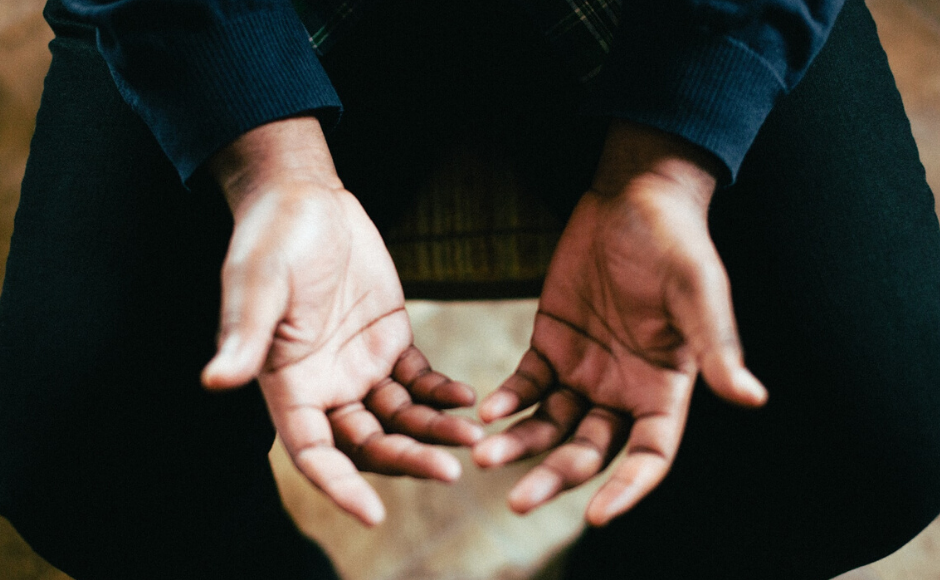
column 111, row 299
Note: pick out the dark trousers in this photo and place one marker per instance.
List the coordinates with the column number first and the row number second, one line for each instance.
column 114, row 463
column 831, row 243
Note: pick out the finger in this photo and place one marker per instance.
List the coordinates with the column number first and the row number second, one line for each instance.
column 392, row 406
column 309, row 443
column 700, row 301
column 253, row 301
column 597, row 440
column 428, row 386
column 651, row 449
column 359, row 435
column 551, row 424
column 523, row 389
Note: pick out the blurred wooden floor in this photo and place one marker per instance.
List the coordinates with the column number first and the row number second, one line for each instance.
column 464, row 531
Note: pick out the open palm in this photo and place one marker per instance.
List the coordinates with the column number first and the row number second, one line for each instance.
column 635, row 304
column 313, row 308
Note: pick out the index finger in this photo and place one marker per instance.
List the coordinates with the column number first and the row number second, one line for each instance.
column 308, row 438
column 650, row 451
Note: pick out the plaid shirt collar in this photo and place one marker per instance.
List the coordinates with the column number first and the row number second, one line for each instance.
column 581, row 30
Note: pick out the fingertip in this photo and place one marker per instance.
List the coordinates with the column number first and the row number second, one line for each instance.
column 753, row 392
column 450, row 469
column 498, row 405
column 451, row 395
column 236, row 363
column 364, row 504
column 335, row 474
column 436, row 464
column 463, row 395
column 533, row 490
column 596, row 518
column 607, row 504
column 210, row 377
column 372, row 511
column 519, row 502
column 473, row 434
column 730, row 380
column 491, row 452
column 218, row 375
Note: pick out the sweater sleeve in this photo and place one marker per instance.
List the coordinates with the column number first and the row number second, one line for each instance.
column 202, row 72
column 709, row 71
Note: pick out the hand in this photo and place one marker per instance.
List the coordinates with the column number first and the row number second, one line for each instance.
column 312, row 307
column 635, row 305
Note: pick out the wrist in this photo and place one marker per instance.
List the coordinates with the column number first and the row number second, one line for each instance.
column 284, row 156
column 636, row 155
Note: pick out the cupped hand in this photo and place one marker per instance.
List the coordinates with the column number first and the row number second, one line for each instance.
column 313, row 308
column 636, row 304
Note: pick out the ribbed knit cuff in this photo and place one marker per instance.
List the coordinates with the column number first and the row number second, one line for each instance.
column 224, row 80
column 709, row 89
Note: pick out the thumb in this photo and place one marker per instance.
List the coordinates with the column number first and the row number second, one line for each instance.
column 253, row 303
column 700, row 302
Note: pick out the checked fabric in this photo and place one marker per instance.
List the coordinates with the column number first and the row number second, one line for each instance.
column 582, row 30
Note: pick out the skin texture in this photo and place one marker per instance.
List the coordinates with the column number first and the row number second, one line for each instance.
column 313, row 309
column 635, row 305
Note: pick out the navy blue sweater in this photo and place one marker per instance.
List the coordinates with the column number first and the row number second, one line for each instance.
column 202, row 72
